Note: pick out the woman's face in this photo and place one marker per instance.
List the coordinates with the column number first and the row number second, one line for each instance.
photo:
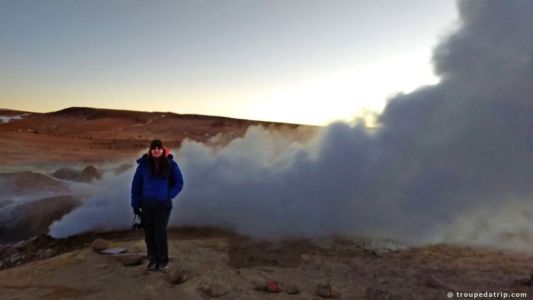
column 156, row 152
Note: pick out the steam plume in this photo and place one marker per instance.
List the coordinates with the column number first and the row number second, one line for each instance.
column 445, row 160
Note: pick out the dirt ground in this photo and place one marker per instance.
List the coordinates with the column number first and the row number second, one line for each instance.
column 227, row 266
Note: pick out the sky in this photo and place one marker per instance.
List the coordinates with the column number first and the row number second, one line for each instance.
column 308, row 62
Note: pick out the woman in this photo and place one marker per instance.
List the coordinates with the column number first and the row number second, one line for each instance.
column 156, row 181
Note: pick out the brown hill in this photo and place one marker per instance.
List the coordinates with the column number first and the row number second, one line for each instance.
column 90, row 135
column 11, row 112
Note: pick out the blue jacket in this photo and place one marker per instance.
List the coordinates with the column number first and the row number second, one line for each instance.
column 145, row 188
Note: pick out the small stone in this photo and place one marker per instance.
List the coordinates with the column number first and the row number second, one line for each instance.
column 178, row 276
column 99, row 245
column 15, row 258
column 131, row 259
column 45, row 253
column 270, row 286
column 326, row 291
column 526, row 281
column 273, row 286
column 67, row 174
column 89, row 174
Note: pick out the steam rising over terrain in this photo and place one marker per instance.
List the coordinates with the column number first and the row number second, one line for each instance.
column 451, row 162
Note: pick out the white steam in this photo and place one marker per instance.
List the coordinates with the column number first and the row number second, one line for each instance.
column 449, row 163
column 107, row 208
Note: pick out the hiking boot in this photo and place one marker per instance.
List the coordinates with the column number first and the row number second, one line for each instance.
column 163, row 266
column 151, row 266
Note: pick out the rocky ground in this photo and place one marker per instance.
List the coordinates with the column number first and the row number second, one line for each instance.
column 209, row 263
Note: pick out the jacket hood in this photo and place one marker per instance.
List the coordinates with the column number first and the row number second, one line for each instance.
column 166, row 153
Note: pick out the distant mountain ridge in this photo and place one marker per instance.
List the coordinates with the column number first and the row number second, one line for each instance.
column 90, row 135
column 95, row 113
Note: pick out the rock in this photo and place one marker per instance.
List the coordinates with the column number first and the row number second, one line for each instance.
column 99, row 245
column 33, row 218
column 326, row 291
column 178, row 276
column 526, row 281
column 21, row 244
column 273, row 286
column 375, row 252
column 89, row 174
column 67, row 174
column 260, row 287
column 45, row 253
column 130, row 259
column 305, row 257
column 16, row 258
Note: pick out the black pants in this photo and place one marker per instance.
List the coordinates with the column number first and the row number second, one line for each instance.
column 155, row 221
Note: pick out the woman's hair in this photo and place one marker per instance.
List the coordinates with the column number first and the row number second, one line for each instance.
column 158, row 166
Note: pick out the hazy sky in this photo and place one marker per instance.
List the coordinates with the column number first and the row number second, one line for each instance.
column 294, row 61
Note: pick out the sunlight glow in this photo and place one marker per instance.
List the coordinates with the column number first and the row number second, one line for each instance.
column 346, row 94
